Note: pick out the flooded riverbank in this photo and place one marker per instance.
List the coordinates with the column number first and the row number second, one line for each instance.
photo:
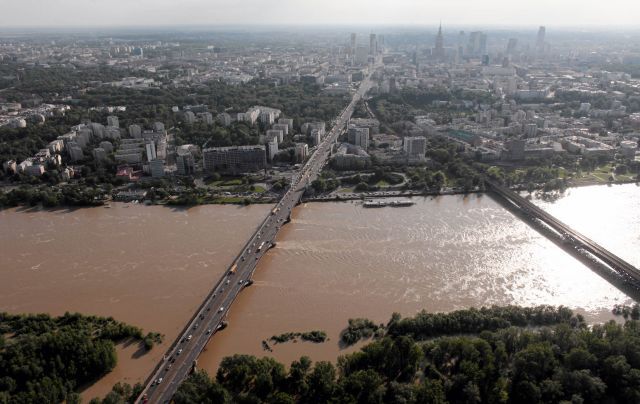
column 149, row 266
column 337, row 261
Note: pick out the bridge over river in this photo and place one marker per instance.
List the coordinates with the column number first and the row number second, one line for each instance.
column 209, row 317
column 582, row 246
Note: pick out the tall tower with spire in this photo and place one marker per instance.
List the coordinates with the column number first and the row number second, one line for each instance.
column 438, row 51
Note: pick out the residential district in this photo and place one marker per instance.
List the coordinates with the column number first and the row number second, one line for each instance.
column 507, row 103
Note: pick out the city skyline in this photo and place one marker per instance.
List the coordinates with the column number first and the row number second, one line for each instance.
column 148, row 13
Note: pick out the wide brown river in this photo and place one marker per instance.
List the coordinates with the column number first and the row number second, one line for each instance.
column 151, row 266
column 337, row 261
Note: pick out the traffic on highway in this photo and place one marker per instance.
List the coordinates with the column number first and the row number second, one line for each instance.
column 181, row 358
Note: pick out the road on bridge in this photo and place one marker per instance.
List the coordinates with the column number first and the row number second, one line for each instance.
column 570, row 237
column 209, row 318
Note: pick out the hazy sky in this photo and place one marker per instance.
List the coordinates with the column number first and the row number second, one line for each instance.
column 613, row 13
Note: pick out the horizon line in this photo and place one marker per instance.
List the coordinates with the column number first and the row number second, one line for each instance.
column 268, row 25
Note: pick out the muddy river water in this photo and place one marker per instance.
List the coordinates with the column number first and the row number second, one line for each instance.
column 337, row 261
column 151, row 266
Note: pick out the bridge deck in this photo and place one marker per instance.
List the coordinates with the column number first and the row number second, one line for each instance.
column 183, row 353
column 624, row 268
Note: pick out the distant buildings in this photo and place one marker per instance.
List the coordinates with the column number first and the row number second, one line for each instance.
column 373, row 45
column 235, row 159
column 224, row 119
column 438, row 50
column 271, row 148
column 301, row 152
column 150, row 149
column 310, row 126
column 515, row 149
column 75, row 152
column 353, row 44
column 587, row 147
column 205, row 117
column 477, row 45
column 158, row 127
column 389, row 141
column 113, row 121
column 189, row 118
column 135, row 131
column 286, row 121
column 361, row 55
column 281, row 127
column 511, row 46
column 372, row 124
column 315, row 136
column 185, row 161
column 156, row 168
column 349, row 157
column 358, row 137
column 34, row 170
column 540, row 41
column 277, row 134
column 267, row 117
column 415, row 146
column 130, row 151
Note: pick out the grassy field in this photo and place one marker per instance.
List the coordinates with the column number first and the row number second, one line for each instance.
column 601, row 175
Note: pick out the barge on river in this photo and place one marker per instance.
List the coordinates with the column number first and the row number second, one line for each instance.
column 381, row 204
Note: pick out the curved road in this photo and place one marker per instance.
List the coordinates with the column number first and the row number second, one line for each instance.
column 182, row 355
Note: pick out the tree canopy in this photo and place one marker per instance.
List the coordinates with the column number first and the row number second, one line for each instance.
column 494, row 355
column 45, row 359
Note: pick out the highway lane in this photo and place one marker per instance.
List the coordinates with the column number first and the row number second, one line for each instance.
column 209, row 318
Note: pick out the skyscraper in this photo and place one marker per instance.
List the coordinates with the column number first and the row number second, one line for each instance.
column 461, row 42
column 473, row 44
column 483, row 44
column 438, row 51
column 373, row 45
column 540, row 42
column 477, row 45
column 542, row 31
column 353, row 44
column 511, row 46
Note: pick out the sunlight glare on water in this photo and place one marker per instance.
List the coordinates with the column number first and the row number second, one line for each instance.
column 337, row 261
